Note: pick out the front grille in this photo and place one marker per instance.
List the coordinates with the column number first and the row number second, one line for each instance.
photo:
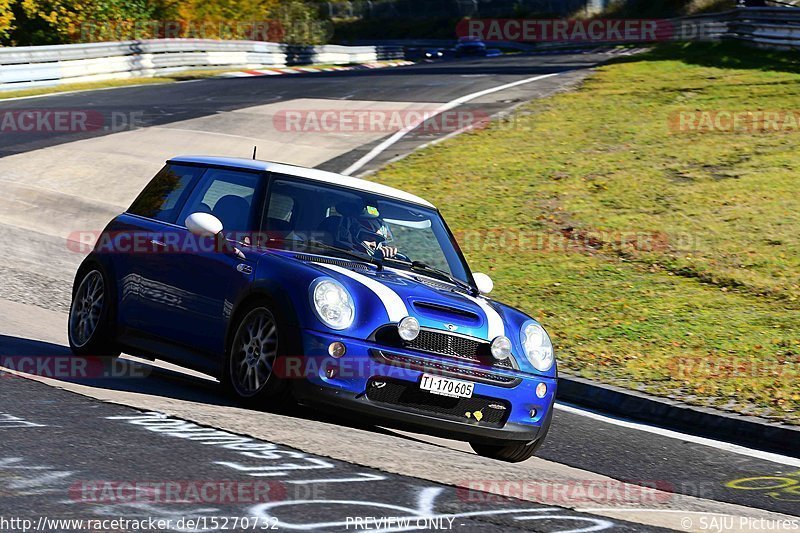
column 456, row 346
column 445, row 369
column 493, row 412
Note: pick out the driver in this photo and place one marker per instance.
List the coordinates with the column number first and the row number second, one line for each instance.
column 363, row 230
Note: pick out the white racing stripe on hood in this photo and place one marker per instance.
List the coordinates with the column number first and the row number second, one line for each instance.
column 394, row 305
column 495, row 324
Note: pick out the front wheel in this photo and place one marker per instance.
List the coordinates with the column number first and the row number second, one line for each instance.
column 250, row 363
column 90, row 328
column 518, row 452
column 513, row 453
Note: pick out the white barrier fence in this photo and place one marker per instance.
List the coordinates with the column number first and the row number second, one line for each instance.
column 767, row 27
column 38, row 66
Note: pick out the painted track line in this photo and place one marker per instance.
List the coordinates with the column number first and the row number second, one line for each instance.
column 720, row 445
column 382, row 147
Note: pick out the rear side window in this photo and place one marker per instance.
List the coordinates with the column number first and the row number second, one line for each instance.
column 228, row 195
column 164, row 195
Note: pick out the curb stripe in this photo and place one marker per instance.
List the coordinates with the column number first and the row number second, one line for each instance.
column 310, row 69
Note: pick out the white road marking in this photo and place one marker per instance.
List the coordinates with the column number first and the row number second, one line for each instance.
column 720, row 445
column 382, row 147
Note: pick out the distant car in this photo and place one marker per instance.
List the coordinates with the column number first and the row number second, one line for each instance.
column 292, row 283
column 434, row 53
column 469, row 46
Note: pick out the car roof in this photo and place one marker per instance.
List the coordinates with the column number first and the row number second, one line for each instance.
column 307, row 173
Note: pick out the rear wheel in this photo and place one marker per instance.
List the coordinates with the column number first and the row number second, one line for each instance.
column 250, row 363
column 89, row 328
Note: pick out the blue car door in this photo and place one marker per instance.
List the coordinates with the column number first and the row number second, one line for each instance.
column 189, row 283
column 131, row 236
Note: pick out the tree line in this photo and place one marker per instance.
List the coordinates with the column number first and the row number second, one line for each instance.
column 41, row 22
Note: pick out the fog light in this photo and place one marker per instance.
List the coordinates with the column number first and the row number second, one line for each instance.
column 501, row 348
column 408, row 328
column 533, row 413
column 337, row 349
column 331, row 373
column 541, row 390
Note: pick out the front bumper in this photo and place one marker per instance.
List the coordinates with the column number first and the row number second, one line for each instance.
column 350, row 384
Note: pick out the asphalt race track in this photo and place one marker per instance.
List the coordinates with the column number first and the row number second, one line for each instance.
column 64, row 434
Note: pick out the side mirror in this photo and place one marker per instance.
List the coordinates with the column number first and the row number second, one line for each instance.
column 207, row 225
column 483, row 282
column 204, row 224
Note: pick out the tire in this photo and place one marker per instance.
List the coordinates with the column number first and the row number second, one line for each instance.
column 250, row 359
column 515, row 453
column 90, row 327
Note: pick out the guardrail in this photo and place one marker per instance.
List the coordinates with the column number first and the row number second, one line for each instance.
column 38, row 66
column 767, row 27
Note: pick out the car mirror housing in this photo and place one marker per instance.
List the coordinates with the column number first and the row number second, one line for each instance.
column 204, row 224
column 483, row 282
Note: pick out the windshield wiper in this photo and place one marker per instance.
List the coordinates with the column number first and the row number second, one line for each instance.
column 443, row 274
column 350, row 253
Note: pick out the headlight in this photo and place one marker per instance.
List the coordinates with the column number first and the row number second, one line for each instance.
column 332, row 303
column 537, row 346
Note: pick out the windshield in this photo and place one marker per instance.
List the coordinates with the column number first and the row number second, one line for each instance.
column 325, row 219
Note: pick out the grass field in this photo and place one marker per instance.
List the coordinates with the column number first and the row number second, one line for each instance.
column 660, row 260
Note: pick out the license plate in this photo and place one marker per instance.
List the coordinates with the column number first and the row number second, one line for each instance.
column 446, row 387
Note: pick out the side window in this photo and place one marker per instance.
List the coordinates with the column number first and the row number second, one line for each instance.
column 226, row 194
column 162, row 197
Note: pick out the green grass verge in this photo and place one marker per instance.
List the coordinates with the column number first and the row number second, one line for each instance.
column 662, row 261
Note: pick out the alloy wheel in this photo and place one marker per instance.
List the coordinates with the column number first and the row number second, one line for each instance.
column 86, row 310
column 253, row 353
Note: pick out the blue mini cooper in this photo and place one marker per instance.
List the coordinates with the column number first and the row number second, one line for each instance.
column 334, row 291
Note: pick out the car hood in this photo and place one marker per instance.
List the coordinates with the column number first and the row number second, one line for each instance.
column 388, row 295
column 435, row 303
